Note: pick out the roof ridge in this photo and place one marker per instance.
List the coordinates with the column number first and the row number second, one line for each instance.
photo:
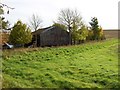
column 48, row 29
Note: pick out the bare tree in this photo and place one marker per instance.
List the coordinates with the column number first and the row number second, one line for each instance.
column 35, row 24
column 68, row 18
column 4, row 5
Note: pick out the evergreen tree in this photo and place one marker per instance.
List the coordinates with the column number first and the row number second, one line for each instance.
column 20, row 34
column 95, row 28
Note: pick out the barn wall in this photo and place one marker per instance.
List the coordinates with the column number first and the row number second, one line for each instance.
column 54, row 37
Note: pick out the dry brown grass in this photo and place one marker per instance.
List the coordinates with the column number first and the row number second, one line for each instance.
column 111, row 33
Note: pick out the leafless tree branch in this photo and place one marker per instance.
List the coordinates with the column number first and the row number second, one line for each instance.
column 35, row 22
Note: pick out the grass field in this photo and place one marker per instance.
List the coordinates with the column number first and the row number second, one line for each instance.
column 90, row 65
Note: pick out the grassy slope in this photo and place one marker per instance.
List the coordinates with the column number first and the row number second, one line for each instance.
column 91, row 65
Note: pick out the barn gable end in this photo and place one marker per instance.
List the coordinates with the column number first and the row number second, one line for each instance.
column 52, row 36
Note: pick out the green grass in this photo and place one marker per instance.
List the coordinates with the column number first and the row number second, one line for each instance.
column 90, row 65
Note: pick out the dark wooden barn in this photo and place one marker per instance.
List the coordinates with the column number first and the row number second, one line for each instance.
column 51, row 36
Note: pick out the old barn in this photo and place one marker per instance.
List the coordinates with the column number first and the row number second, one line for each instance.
column 51, row 36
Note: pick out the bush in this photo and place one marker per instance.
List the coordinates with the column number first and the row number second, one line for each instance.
column 20, row 34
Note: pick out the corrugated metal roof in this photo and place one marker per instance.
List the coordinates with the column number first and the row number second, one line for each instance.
column 48, row 29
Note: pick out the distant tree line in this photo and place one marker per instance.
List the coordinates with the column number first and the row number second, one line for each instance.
column 68, row 19
column 78, row 31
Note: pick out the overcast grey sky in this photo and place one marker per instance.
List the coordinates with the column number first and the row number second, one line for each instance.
column 105, row 10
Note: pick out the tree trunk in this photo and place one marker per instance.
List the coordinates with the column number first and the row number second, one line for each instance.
column 70, row 36
column 74, row 41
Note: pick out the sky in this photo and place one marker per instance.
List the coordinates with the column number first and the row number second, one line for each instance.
column 48, row 10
